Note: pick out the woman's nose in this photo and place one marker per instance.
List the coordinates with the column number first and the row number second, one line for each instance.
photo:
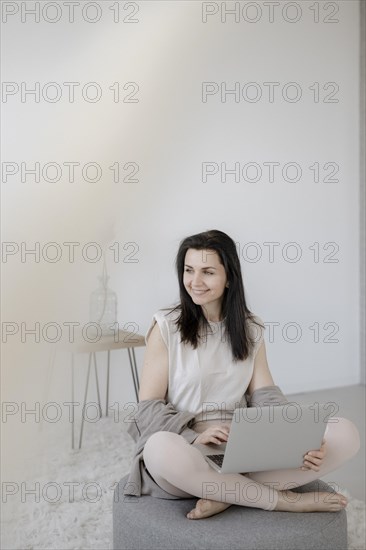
column 196, row 281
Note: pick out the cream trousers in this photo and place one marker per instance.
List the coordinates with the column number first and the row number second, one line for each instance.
column 181, row 470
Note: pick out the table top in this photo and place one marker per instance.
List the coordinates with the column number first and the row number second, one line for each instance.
column 83, row 343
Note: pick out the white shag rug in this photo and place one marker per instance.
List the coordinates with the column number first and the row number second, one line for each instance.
column 81, row 483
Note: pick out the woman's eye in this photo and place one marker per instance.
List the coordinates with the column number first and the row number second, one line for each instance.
column 205, row 272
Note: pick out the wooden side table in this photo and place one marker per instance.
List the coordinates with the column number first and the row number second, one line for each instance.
column 119, row 340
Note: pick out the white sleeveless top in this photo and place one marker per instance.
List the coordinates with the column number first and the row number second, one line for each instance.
column 205, row 381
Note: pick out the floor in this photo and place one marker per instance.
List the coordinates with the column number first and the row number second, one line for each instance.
column 351, row 403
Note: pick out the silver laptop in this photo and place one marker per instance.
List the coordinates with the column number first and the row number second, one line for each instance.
column 268, row 438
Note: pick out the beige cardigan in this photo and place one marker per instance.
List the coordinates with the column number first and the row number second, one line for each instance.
column 156, row 415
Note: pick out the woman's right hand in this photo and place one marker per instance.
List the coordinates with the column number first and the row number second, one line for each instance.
column 214, row 434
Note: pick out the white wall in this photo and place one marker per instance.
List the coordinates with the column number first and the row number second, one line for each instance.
column 169, row 133
column 172, row 201
column 363, row 191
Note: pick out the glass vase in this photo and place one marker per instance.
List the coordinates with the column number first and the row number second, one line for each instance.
column 103, row 307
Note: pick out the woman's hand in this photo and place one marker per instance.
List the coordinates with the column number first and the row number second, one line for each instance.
column 314, row 459
column 214, row 434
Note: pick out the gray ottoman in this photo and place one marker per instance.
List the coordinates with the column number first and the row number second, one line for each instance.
column 150, row 523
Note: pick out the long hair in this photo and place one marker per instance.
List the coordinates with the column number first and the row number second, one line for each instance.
column 234, row 309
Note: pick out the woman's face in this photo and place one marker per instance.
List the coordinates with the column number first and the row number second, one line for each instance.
column 204, row 279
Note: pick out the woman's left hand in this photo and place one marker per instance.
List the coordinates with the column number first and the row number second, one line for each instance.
column 313, row 459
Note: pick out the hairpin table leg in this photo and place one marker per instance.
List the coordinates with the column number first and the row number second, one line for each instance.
column 135, row 367
column 85, row 397
column 135, row 376
column 97, row 383
column 107, row 397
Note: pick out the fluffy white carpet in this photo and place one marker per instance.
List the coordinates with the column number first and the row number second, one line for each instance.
column 81, row 483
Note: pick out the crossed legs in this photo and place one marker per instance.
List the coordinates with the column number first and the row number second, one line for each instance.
column 180, row 469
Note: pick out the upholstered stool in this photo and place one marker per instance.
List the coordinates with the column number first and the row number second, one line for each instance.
column 150, row 523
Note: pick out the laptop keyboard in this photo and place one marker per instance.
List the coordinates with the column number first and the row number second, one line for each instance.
column 217, row 459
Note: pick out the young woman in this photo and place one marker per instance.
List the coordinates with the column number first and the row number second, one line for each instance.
column 206, row 356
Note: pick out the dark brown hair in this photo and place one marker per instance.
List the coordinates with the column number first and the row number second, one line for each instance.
column 234, row 311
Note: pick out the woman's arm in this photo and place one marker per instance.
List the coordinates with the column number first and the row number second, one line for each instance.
column 155, row 370
column 261, row 374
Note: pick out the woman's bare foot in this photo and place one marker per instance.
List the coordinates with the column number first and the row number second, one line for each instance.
column 206, row 508
column 289, row 501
